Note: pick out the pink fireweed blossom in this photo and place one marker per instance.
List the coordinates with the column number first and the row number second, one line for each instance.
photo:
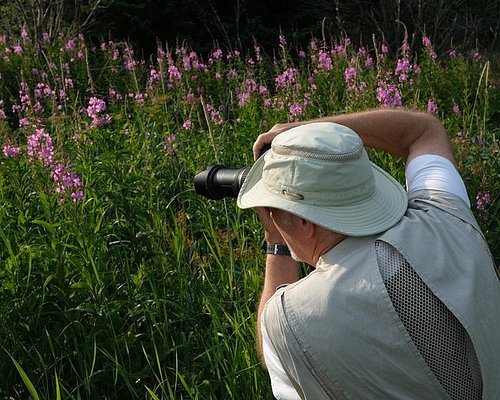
column 95, row 108
column 384, row 50
column 232, row 73
column 403, row 69
column 258, row 53
column 341, row 48
column 24, row 122
column 187, row 125
column 282, row 41
column 388, row 95
column 11, row 151
column 154, row 77
column 174, row 74
column 249, row 88
column 40, row 147
column 214, row 115
column 139, row 98
column 456, row 109
column 190, row 97
column 18, row 50
column 296, row 110
column 325, row 61
column 24, row 34
column 43, row 90
column 69, row 45
column 483, row 199
column 350, row 77
column 114, row 95
column 217, row 54
column 66, row 182
column 287, row 78
column 432, row 107
column 427, row 44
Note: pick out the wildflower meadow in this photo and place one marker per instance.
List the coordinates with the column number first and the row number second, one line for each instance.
column 117, row 281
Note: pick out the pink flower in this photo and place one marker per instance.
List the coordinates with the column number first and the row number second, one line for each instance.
column 282, row 41
column 11, row 151
column 77, row 196
column 258, row 55
column 432, row 107
column 214, row 115
column 232, row 74
column 96, row 106
column 174, row 74
column 24, row 122
column 24, row 34
column 483, row 199
column 287, row 78
column 40, row 147
column 426, row 41
column 187, row 124
column 324, row 61
column 18, row 50
column 66, row 182
column 456, row 109
column 403, row 68
column 296, row 110
column 217, row 54
column 388, row 95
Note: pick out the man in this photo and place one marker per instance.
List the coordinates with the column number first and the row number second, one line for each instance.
column 404, row 299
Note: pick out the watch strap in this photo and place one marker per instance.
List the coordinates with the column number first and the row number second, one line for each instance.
column 276, row 249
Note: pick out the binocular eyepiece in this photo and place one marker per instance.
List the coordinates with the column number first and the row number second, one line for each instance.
column 217, row 181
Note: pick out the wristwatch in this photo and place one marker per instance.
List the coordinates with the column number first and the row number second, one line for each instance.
column 276, row 248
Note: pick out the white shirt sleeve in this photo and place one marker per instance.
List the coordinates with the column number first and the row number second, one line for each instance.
column 280, row 383
column 435, row 172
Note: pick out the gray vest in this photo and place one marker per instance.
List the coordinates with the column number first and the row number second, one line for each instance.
column 337, row 332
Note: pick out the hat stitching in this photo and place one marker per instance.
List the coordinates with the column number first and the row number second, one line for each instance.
column 348, row 156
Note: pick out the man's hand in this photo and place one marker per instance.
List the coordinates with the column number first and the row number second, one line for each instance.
column 271, row 233
column 267, row 137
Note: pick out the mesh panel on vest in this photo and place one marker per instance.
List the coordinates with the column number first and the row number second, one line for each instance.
column 438, row 335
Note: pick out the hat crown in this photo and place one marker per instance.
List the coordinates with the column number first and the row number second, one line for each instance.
column 320, row 140
column 321, row 164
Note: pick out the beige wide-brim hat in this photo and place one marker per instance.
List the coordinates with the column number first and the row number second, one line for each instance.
column 321, row 172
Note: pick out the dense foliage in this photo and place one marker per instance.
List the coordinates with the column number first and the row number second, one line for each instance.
column 116, row 279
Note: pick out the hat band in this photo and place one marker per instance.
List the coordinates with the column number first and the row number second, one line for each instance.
column 362, row 192
column 351, row 155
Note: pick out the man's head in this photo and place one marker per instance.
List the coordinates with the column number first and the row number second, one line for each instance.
column 320, row 172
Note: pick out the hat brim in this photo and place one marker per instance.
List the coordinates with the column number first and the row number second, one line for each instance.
column 376, row 214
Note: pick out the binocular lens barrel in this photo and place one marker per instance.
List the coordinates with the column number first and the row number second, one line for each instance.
column 217, row 182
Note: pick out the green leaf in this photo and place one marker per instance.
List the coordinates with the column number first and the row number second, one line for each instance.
column 26, row 380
